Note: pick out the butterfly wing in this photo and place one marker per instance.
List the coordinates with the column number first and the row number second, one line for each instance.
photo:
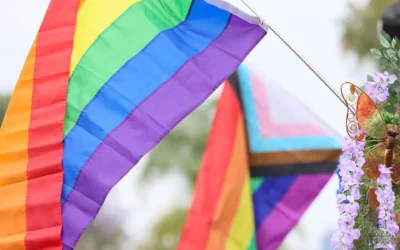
column 374, row 155
column 362, row 113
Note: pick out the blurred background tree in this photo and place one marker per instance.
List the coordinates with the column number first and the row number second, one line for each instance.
column 94, row 239
column 361, row 27
column 3, row 106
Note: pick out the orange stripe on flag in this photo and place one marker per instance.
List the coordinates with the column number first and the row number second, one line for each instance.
column 212, row 173
column 231, row 191
column 45, row 175
column 14, row 159
column 80, row 3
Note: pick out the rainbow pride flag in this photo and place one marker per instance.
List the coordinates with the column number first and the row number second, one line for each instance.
column 266, row 160
column 104, row 82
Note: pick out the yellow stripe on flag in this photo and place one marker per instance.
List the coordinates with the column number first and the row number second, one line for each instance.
column 94, row 17
column 242, row 228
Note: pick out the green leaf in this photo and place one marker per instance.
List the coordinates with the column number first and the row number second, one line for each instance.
column 376, row 53
column 384, row 53
column 394, row 43
column 392, row 53
column 390, row 70
column 397, row 44
column 392, row 99
column 386, row 36
column 396, row 87
column 370, row 78
column 392, row 94
column 385, row 67
column 396, row 71
column 384, row 61
column 384, row 41
column 385, row 64
column 390, row 109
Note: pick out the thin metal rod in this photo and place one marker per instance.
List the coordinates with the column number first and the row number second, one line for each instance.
column 323, row 80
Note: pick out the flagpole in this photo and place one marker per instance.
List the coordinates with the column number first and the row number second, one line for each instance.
column 323, row 80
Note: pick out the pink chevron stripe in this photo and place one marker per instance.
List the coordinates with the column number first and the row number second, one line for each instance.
column 289, row 210
column 267, row 127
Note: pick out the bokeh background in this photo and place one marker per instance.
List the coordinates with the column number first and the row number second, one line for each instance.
column 147, row 209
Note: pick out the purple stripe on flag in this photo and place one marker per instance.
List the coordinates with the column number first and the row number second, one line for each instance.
column 147, row 125
column 289, row 210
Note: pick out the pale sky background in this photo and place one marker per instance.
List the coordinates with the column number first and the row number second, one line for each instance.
column 311, row 26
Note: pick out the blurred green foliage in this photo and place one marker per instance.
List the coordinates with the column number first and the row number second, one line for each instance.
column 167, row 231
column 3, row 106
column 360, row 26
column 94, row 239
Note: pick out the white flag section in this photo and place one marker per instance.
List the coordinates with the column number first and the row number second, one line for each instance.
column 238, row 8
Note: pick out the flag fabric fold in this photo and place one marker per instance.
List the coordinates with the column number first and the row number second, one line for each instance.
column 31, row 137
column 110, row 80
column 289, row 155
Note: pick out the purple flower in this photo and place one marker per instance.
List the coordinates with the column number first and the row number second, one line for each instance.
column 371, row 90
column 346, row 221
column 350, row 172
column 355, row 192
column 348, row 238
column 385, row 196
column 378, row 77
column 384, row 170
column 382, row 96
column 393, row 228
column 392, row 79
column 389, row 246
column 378, row 89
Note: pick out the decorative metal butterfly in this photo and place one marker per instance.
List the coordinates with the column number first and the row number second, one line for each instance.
column 362, row 113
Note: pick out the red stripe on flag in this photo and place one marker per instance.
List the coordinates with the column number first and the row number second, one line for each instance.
column 44, row 173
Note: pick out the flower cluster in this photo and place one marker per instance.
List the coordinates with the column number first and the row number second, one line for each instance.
column 378, row 89
column 350, row 172
column 385, row 196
